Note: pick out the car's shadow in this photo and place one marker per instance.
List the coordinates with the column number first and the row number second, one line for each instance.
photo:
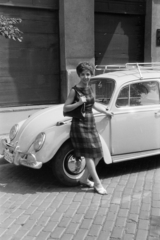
column 23, row 180
column 127, row 167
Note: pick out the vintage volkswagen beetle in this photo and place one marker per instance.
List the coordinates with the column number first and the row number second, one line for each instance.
column 131, row 92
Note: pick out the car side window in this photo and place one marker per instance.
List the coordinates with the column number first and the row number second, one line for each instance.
column 139, row 94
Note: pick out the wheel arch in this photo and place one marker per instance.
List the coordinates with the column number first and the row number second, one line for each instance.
column 54, row 141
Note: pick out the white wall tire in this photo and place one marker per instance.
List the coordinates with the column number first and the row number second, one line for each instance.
column 64, row 165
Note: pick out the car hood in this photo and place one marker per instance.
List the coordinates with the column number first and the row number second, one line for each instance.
column 37, row 123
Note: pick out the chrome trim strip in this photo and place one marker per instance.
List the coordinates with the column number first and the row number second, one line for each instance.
column 132, row 156
column 137, row 111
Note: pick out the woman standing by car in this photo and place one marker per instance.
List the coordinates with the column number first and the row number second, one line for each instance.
column 84, row 135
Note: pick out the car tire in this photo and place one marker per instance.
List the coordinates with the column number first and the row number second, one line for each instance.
column 64, row 165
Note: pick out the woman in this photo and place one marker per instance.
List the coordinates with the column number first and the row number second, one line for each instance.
column 84, row 136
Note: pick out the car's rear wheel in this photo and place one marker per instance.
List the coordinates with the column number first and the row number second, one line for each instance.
column 64, row 165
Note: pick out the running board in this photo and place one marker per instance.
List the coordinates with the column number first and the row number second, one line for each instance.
column 131, row 156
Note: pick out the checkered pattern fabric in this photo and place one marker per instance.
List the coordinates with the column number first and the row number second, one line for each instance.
column 84, row 135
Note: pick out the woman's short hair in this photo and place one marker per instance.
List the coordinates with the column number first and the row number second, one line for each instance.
column 85, row 66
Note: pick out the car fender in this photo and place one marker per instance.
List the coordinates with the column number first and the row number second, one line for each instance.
column 106, row 153
column 55, row 137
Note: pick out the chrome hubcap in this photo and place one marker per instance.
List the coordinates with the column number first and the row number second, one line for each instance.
column 72, row 167
column 76, row 166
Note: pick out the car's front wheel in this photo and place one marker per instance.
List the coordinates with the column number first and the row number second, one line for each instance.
column 65, row 167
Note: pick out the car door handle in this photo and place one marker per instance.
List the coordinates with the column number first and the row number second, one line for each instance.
column 157, row 113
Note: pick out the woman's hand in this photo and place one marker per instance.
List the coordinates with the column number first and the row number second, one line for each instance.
column 82, row 100
column 109, row 113
column 101, row 108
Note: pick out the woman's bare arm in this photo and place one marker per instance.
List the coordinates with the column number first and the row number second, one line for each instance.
column 101, row 108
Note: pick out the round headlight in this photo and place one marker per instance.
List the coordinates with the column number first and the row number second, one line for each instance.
column 13, row 131
column 39, row 141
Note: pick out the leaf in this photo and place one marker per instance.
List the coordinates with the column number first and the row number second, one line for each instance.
column 8, row 28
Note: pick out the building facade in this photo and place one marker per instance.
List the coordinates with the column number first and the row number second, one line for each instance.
column 60, row 34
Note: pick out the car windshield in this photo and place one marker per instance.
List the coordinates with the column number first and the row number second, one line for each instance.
column 103, row 89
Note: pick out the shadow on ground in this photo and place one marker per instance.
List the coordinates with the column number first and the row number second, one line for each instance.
column 19, row 179
column 155, row 227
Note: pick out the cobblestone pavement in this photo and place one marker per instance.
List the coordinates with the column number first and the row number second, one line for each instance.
column 34, row 206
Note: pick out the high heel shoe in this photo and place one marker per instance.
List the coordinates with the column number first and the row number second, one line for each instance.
column 100, row 190
column 88, row 184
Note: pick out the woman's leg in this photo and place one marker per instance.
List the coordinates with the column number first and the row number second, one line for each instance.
column 97, row 161
column 92, row 171
column 86, row 174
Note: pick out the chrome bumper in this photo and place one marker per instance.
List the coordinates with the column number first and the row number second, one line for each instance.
column 15, row 156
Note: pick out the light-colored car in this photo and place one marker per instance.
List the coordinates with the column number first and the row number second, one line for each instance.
column 130, row 92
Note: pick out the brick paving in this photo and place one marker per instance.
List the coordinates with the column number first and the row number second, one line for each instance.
column 34, row 206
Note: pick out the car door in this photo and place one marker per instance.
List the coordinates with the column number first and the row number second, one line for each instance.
column 135, row 126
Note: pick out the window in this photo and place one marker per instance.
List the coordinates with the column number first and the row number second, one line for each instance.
column 123, row 98
column 139, row 94
column 103, row 89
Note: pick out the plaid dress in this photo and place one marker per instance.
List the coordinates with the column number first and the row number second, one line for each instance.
column 84, row 135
